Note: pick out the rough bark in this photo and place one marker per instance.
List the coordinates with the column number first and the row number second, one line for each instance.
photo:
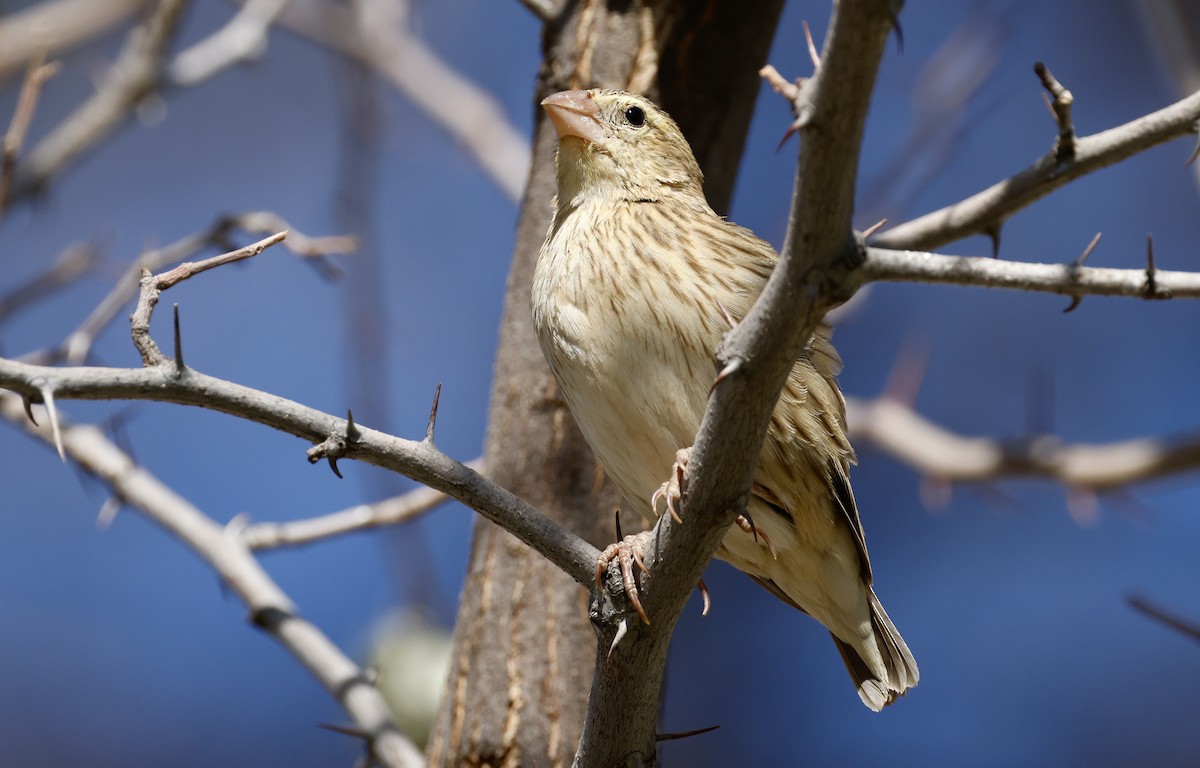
column 524, row 650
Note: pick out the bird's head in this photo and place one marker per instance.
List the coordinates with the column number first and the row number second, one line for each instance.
column 619, row 146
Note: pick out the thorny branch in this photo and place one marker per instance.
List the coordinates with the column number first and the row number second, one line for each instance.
column 270, row 608
column 1065, row 279
column 986, row 211
column 316, row 250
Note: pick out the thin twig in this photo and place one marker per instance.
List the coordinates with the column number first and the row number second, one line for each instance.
column 68, row 267
column 394, row 511
column 986, row 210
column 415, row 459
column 132, row 77
column 35, row 78
column 1184, row 627
column 270, row 608
column 464, row 110
column 153, row 285
column 1059, row 103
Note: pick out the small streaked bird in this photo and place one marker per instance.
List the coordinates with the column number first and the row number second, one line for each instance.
column 636, row 284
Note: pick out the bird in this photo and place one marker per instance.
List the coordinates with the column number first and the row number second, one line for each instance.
column 635, row 285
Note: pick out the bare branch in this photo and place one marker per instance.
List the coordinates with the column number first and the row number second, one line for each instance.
column 394, row 511
column 242, row 39
column 39, row 72
column 936, row 452
column 1059, row 103
column 134, row 76
column 72, row 263
column 986, row 210
column 1064, row 279
column 270, row 609
column 76, row 347
column 464, row 110
column 54, row 25
column 153, row 285
column 1184, row 627
column 413, row 458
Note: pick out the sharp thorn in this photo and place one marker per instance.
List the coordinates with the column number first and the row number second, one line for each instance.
column 1195, row 152
column 812, row 47
column 108, row 512
column 617, row 523
column 899, row 30
column 179, row 366
column 351, row 427
column 732, row 367
column 1076, row 300
column 873, row 228
column 792, row 129
column 1088, row 251
column 437, row 395
column 52, row 411
column 993, row 232
column 333, row 465
column 29, row 409
column 622, row 629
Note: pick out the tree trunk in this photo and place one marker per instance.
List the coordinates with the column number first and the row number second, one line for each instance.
column 524, row 651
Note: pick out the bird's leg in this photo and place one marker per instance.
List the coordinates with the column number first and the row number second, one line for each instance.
column 672, row 490
column 627, row 551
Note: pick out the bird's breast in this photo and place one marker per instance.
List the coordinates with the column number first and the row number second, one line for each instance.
column 633, row 360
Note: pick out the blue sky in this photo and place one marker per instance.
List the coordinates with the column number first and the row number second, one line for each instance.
column 119, row 647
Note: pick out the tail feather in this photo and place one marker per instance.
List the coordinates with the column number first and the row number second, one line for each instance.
column 901, row 671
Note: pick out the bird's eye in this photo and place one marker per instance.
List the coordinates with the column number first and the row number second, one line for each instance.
column 636, row 116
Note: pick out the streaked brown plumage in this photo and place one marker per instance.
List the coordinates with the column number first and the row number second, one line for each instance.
column 629, row 301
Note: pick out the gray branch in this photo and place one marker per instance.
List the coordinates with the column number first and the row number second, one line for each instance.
column 938, row 453
column 759, row 352
column 419, row 460
column 1064, row 279
column 987, row 210
column 270, row 608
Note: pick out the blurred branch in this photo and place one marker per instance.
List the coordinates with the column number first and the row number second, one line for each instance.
column 544, row 10
column 1184, row 627
column 270, row 608
column 334, row 438
column 134, row 76
column 78, row 344
column 242, row 39
column 1065, row 279
column 72, row 263
column 36, row 76
column 935, row 452
column 398, row 509
column 54, row 25
column 986, row 211
column 464, row 110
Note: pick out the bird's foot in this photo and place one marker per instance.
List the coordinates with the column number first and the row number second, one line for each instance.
column 672, row 491
column 627, row 551
column 746, row 524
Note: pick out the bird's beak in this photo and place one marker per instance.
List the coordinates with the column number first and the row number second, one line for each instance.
column 575, row 113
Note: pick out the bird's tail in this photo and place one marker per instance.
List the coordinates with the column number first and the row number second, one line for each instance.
column 899, row 665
